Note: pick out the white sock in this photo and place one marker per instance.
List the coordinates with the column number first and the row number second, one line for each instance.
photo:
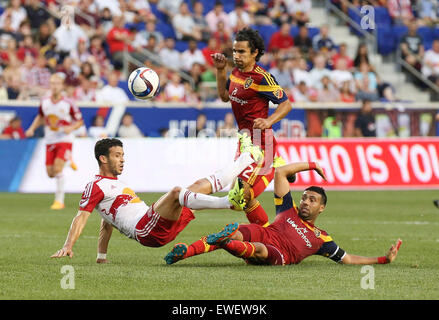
column 198, row 201
column 222, row 178
column 60, row 182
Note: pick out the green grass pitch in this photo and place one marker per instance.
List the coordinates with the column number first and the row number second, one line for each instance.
column 363, row 223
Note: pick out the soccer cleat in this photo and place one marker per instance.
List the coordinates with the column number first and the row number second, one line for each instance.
column 57, row 205
column 223, row 237
column 278, row 162
column 236, row 196
column 177, row 253
column 246, row 145
column 436, row 203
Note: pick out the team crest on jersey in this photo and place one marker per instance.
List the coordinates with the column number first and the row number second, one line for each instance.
column 278, row 93
column 317, row 232
column 248, row 82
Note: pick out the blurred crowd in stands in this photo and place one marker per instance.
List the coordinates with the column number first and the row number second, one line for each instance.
column 88, row 41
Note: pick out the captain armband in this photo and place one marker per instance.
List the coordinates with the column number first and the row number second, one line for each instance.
column 338, row 255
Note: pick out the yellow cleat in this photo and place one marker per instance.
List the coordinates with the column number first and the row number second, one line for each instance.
column 236, row 196
column 57, row 205
column 278, row 162
column 246, row 145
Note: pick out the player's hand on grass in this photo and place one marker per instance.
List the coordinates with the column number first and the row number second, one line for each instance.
column 219, row 60
column 261, row 124
column 393, row 251
column 65, row 251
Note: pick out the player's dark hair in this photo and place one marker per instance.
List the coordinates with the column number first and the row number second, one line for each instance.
column 254, row 39
column 102, row 147
column 320, row 191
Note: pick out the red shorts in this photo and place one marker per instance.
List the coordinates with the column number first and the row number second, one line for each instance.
column 155, row 231
column 255, row 171
column 61, row 151
column 256, row 233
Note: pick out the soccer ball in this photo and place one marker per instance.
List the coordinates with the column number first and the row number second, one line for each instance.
column 144, row 83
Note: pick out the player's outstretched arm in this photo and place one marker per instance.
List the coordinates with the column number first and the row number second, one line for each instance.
column 282, row 174
column 78, row 224
column 105, row 233
column 38, row 122
column 388, row 258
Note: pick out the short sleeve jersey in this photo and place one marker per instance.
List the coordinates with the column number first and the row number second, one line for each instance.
column 58, row 114
column 115, row 202
column 250, row 94
column 298, row 239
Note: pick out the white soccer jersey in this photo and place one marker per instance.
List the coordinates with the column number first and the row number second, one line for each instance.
column 115, row 202
column 56, row 116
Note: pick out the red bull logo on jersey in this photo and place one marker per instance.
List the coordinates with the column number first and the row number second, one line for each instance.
column 127, row 196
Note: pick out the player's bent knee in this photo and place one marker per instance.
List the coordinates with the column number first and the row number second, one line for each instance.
column 175, row 192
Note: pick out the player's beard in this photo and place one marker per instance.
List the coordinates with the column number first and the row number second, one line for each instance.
column 116, row 168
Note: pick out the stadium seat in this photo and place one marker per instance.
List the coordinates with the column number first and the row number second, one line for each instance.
column 157, row 13
column 382, row 17
column 165, row 29
column 266, row 32
column 207, row 5
column 427, row 35
column 183, row 45
column 312, row 31
column 357, row 19
column 386, row 40
column 229, row 5
column 399, row 32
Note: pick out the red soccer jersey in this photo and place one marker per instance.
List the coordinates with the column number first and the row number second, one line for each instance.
column 250, row 93
column 296, row 238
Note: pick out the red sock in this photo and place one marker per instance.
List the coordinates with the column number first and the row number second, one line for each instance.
column 256, row 214
column 199, row 247
column 241, row 249
column 262, row 182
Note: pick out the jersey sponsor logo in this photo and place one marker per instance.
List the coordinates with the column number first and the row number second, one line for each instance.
column 301, row 232
column 237, row 100
column 248, row 82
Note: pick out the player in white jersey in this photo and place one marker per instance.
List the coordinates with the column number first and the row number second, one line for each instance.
column 160, row 223
column 60, row 118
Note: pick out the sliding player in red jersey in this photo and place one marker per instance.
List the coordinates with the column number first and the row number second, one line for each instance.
column 250, row 88
column 151, row 226
column 292, row 236
column 60, row 117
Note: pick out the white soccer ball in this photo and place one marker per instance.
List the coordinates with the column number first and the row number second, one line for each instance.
column 144, row 83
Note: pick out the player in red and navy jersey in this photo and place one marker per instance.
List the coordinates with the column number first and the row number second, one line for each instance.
column 151, row 226
column 250, row 88
column 292, row 236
